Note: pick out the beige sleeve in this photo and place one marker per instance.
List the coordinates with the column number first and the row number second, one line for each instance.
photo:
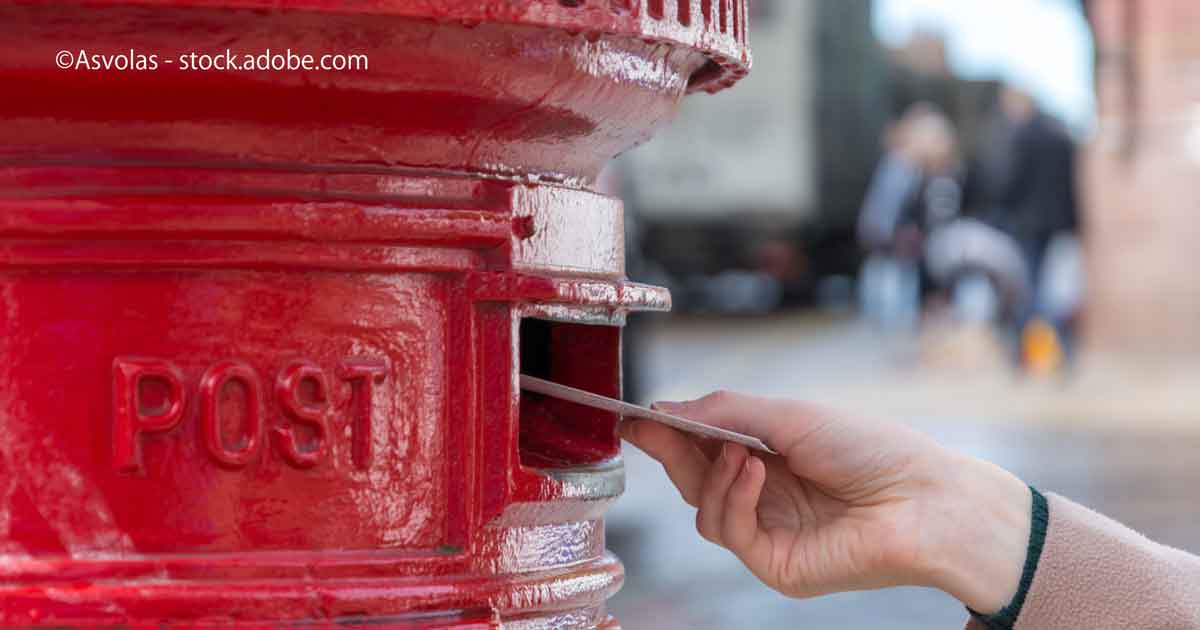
column 1097, row 574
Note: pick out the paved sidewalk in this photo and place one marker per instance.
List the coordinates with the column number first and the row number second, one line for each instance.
column 942, row 374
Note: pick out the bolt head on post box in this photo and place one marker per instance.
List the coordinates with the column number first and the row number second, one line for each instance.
column 262, row 328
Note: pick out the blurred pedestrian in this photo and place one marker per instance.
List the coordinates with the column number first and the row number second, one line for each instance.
column 1038, row 200
column 916, row 187
column 1036, row 204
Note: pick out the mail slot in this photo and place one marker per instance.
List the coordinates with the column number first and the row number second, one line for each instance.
column 554, row 433
column 261, row 330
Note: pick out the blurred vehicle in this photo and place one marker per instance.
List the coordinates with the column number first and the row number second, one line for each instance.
column 748, row 199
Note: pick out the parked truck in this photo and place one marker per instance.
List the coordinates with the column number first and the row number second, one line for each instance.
column 748, row 200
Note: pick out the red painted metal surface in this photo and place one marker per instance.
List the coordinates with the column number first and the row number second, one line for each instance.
column 260, row 332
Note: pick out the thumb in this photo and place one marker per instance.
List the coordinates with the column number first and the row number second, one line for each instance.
column 779, row 423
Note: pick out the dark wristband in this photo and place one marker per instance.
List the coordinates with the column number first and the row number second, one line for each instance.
column 1006, row 619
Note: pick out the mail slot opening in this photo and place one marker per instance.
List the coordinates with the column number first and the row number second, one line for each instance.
column 555, row 433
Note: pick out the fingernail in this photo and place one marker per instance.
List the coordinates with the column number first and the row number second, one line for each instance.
column 724, row 456
column 667, row 406
column 750, row 464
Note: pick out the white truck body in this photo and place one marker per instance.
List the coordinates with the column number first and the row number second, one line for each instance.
column 747, row 152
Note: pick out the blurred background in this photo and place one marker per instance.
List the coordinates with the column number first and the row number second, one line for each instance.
column 976, row 217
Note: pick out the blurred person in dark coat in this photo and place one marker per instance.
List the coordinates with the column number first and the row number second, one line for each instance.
column 1035, row 203
column 1038, row 199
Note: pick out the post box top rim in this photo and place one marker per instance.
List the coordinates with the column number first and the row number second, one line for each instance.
column 720, row 36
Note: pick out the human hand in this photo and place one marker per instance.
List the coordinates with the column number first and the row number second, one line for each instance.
column 847, row 504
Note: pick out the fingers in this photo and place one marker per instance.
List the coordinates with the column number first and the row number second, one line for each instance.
column 726, row 490
column 679, row 455
column 716, row 486
column 739, row 527
column 780, row 423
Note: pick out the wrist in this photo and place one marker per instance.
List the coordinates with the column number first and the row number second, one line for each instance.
column 977, row 545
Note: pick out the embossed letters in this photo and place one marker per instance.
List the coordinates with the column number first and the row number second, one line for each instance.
column 133, row 416
column 150, row 396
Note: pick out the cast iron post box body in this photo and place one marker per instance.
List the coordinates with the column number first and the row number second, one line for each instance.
column 260, row 331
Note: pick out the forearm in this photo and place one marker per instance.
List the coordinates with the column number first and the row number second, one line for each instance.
column 1034, row 564
column 980, row 523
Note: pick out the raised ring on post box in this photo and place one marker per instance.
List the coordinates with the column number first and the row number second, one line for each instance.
column 212, row 385
column 134, row 415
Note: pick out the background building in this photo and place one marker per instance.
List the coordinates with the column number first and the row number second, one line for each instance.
column 1140, row 179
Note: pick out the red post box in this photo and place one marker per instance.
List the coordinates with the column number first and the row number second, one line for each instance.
column 260, row 329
